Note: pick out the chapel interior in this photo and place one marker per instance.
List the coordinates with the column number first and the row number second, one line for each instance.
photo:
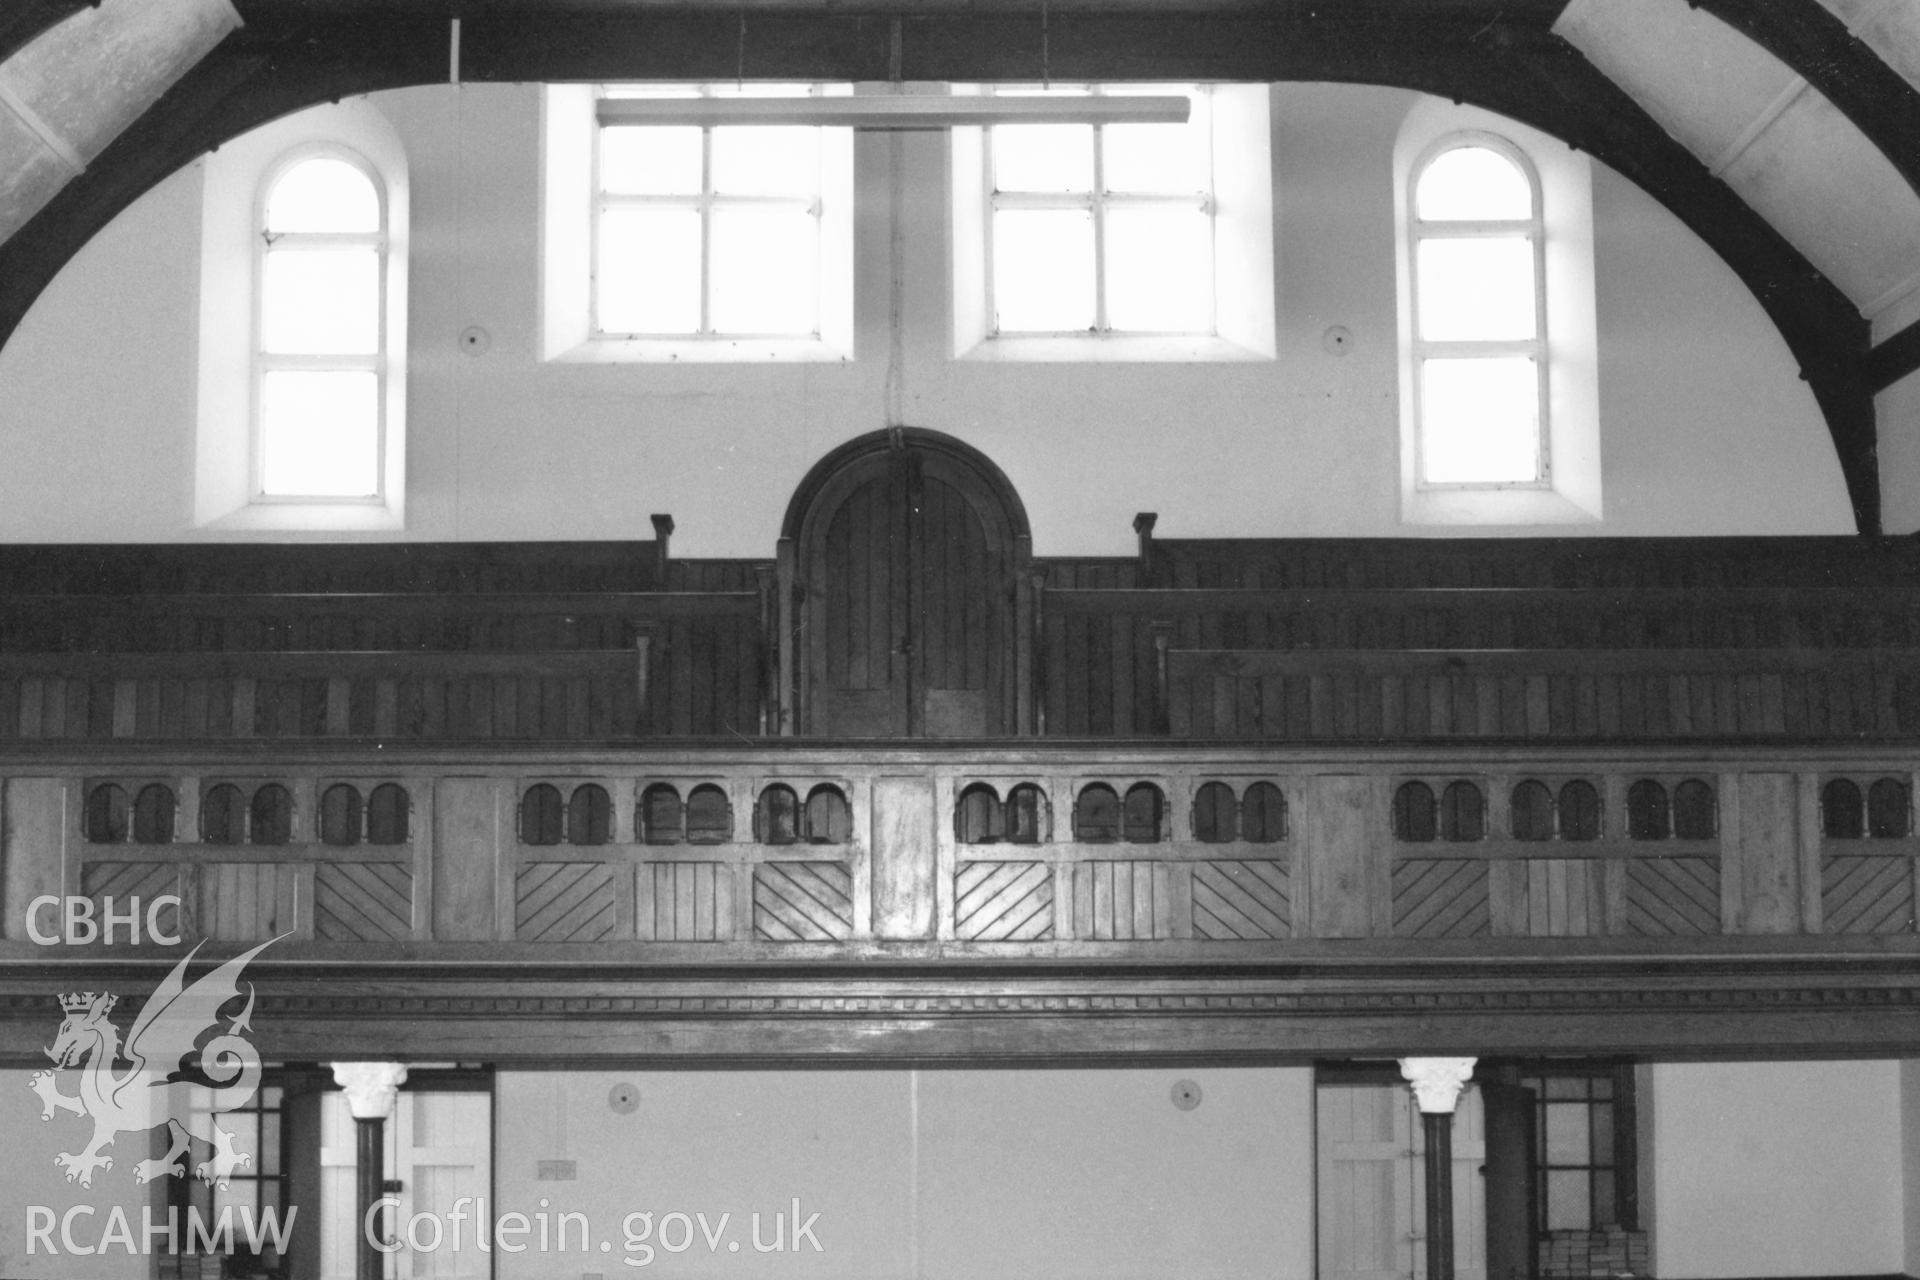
column 777, row 608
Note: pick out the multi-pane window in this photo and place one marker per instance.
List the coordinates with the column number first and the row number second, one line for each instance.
column 320, row 332
column 1584, row 1148
column 714, row 231
column 253, row 1189
column 1097, row 229
column 1479, row 317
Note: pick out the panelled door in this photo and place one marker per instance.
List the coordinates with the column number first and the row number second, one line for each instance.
column 1372, row 1193
column 438, row 1150
column 906, row 559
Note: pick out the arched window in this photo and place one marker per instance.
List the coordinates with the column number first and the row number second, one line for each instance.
column 1214, row 817
column 1026, row 814
column 828, row 819
column 1479, row 316
column 589, row 815
column 1530, row 811
column 1888, row 809
column 543, row 815
column 340, row 810
column 1414, row 813
column 107, row 814
column 709, row 815
column 1695, row 816
column 320, row 338
column 1463, row 812
column 223, row 815
column 1497, row 335
column 1579, row 811
column 287, row 229
column 661, row 821
column 1142, row 816
column 270, row 815
column 1648, row 816
column 1263, row 814
column 1096, row 814
column 153, row 814
column 776, row 817
column 977, row 817
column 388, row 809
column 1841, row 813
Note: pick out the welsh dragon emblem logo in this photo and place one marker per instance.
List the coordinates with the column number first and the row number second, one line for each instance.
column 148, row 1094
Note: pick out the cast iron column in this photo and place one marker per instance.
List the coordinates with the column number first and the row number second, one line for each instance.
column 1436, row 1085
column 370, row 1088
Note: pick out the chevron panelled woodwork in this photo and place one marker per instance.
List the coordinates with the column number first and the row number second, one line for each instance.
column 1440, row 898
column 1673, row 896
column 564, row 902
column 686, row 902
column 363, row 901
column 1866, row 894
column 1242, row 901
column 145, row 881
column 803, row 901
column 1003, row 902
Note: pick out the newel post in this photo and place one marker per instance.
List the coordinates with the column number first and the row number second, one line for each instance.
column 662, row 548
column 1143, row 526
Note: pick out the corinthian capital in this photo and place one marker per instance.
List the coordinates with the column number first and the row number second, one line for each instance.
column 370, row 1086
column 1437, row 1081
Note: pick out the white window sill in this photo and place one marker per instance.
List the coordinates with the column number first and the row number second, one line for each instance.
column 316, row 516
column 703, row 351
column 1118, row 349
column 1493, row 506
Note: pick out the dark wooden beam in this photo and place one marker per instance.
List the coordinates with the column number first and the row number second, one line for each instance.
column 1819, row 48
column 1896, row 358
column 27, row 19
column 284, row 59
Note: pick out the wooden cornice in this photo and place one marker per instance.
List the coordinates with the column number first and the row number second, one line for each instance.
column 1326, row 1000
column 1498, row 56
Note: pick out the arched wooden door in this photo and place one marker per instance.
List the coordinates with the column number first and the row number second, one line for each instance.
column 906, row 548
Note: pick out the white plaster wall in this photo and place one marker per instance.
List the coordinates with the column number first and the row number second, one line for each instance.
column 1897, row 417
column 97, row 385
column 1779, row 1169
column 1910, row 1160
column 946, row 1175
column 1898, row 412
column 30, row 1182
column 1706, row 428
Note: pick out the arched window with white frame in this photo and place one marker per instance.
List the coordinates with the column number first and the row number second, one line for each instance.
column 1479, row 315
column 320, row 329
column 1498, row 341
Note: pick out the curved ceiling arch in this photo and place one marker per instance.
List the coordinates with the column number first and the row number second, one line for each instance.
column 1504, row 57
